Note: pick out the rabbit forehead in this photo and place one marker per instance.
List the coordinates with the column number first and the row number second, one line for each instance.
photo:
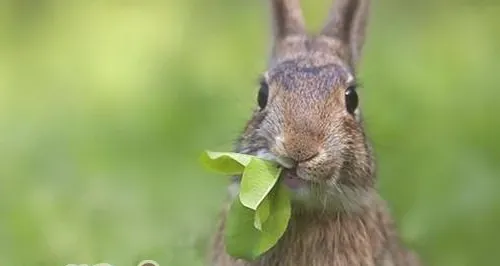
column 308, row 79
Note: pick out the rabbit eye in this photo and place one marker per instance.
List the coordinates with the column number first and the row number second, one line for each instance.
column 351, row 99
column 263, row 94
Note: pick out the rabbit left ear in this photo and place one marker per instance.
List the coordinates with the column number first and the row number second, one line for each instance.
column 347, row 22
column 287, row 20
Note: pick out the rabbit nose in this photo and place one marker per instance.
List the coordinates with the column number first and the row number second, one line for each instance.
column 301, row 148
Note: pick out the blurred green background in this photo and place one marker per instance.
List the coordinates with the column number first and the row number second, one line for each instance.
column 105, row 107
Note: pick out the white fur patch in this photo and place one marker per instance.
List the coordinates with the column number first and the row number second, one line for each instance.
column 350, row 198
column 334, row 197
column 263, row 154
column 350, row 78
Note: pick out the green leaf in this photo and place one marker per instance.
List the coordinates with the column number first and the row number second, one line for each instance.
column 243, row 240
column 258, row 218
column 241, row 237
column 277, row 222
column 258, row 179
column 225, row 162
column 262, row 213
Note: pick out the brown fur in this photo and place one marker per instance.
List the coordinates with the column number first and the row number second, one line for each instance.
column 336, row 239
column 338, row 218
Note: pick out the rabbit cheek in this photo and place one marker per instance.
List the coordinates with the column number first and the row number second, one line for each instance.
column 313, row 172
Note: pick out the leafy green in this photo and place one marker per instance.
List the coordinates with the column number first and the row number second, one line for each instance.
column 257, row 181
column 245, row 241
column 259, row 216
column 262, row 213
column 240, row 236
column 279, row 216
column 226, row 162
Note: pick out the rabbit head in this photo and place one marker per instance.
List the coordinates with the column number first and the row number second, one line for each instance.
column 307, row 116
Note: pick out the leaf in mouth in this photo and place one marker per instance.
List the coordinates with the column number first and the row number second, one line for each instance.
column 243, row 240
column 259, row 177
column 226, row 162
column 259, row 216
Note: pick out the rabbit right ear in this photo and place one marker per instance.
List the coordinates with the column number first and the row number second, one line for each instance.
column 287, row 20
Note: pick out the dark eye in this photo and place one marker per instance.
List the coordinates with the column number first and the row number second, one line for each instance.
column 351, row 99
column 263, row 94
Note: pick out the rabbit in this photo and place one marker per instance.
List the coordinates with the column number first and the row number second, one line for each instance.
column 308, row 120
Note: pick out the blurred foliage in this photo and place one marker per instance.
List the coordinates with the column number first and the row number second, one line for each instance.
column 105, row 107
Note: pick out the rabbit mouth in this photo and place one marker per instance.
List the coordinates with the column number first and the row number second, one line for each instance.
column 291, row 180
column 288, row 175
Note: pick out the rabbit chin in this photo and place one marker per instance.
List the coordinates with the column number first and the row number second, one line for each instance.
column 327, row 197
column 323, row 197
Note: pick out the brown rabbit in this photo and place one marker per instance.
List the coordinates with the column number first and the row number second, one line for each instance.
column 308, row 120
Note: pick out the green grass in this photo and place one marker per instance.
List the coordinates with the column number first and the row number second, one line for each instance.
column 105, row 108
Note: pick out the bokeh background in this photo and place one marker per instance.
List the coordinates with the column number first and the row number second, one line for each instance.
column 105, row 107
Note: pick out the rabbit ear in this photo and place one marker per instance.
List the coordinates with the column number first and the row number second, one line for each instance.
column 347, row 22
column 287, row 19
